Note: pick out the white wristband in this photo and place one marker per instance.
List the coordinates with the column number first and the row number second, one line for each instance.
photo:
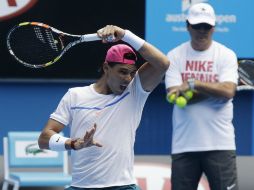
column 57, row 142
column 135, row 41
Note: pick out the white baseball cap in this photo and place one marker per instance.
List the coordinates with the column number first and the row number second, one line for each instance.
column 201, row 13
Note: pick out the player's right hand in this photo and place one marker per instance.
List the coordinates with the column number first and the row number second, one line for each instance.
column 111, row 33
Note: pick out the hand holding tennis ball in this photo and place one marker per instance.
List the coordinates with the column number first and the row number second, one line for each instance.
column 171, row 98
column 181, row 102
column 188, row 94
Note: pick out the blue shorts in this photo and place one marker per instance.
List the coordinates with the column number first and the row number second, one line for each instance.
column 124, row 187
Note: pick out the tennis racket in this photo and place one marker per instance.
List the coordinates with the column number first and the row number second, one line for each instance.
column 246, row 75
column 38, row 45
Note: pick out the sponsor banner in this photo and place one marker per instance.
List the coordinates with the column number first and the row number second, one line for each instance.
column 13, row 8
column 151, row 176
column 28, row 149
column 166, row 26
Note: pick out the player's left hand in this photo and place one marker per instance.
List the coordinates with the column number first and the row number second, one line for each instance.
column 87, row 140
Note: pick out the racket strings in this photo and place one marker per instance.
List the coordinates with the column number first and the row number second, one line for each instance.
column 39, row 34
column 246, row 71
column 51, row 40
column 35, row 45
column 47, row 38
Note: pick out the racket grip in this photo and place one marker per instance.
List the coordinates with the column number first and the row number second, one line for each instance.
column 90, row 37
column 95, row 37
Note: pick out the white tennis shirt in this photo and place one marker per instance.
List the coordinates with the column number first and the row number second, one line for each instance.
column 206, row 125
column 117, row 118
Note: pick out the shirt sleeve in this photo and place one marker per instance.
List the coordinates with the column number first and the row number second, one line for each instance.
column 229, row 66
column 138, row 97
column 137, row 89
column 62, row 113
column 173, row 75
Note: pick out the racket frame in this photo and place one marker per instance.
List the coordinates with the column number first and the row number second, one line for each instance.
column 81, row 39
column 244, row 87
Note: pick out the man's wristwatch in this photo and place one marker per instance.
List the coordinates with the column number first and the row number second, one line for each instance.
column 73, row 144
column 191, row 83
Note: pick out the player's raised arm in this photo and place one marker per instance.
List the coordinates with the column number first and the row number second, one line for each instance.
column 153, row 70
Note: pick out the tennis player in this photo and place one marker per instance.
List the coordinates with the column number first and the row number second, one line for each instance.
column 203, row 133
column 103, row 117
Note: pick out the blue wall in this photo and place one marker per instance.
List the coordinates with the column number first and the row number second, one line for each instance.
column 27, row 106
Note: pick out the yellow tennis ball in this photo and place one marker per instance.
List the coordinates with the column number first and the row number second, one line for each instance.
column 181, row 102
column 189, row 94
column 171, row 98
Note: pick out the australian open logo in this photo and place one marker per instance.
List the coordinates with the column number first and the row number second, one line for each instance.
column 33, row 149
column 177, row 20
column 13, row 8
column 181, row 17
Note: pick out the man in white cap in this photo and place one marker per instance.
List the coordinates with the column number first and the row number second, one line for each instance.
column 203, row 134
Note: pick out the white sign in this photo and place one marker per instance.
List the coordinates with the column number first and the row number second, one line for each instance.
column 30, row 149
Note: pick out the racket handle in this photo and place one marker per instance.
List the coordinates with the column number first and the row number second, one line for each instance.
column 95, row 37
column 90, row 37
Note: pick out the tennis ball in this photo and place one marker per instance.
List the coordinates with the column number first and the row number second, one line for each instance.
column 188, row 94
column 171, row 98
column 181, row 102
